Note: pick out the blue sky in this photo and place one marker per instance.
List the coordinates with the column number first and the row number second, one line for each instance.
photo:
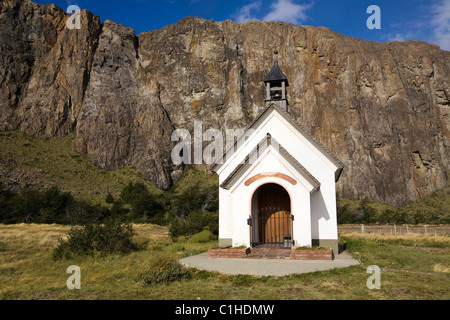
column 425, row 20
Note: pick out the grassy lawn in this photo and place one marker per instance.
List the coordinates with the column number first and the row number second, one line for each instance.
column 412, row 267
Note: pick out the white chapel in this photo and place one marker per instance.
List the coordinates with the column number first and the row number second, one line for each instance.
column 277, row 184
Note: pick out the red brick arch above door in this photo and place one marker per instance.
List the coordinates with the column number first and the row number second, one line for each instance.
column 271, row 175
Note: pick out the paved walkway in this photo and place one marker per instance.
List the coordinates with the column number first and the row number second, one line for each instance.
column 266, row 267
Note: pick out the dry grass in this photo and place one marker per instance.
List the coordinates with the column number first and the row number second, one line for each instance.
column 151, row 231
column 441, row 268
column 43, row 235
column 28, row 272
column 406, row 237
column 47, row 235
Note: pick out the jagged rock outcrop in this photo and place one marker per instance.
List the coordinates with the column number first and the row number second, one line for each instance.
column 382, row 108
column 44, row 67
column 123, row 121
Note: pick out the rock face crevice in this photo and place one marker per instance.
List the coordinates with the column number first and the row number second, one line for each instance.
column 382, row 108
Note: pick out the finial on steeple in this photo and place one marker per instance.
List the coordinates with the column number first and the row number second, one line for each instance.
column 276, row 54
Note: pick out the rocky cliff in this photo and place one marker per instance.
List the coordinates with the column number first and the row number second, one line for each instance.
column 382, row 108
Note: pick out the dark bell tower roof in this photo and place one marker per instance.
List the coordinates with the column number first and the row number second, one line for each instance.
column 276, row 74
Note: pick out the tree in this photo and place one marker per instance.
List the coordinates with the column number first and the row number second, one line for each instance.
column 109, row 198
column 143, row 204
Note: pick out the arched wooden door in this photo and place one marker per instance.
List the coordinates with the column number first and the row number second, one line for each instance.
column 271, row 221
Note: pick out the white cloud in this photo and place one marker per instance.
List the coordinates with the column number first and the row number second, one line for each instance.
column 432, row 27
column 245, row 13
column 441, row 24
column 402, row 36
column 281, row 10
column 287, row 11
column 397, row 37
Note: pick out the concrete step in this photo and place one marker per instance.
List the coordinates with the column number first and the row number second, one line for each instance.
column 269, row 255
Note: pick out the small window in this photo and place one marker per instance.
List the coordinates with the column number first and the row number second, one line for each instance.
column 276, row 95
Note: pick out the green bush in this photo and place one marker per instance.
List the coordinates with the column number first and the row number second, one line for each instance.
column 96, row 239
column 155, row 247
column 203, row 237
column 144, row 206
column 46, row 206
column 392, row 217
column 194, row 223
column 368, row 213
column 365, row 212
column 109, row 198
column 344, row 214
column 118, row 211
column 196, row 198
column 80, row 213
column 131, row 192
column 33, row 206
column 141, row 242
column 159, row 218
column 165, row 269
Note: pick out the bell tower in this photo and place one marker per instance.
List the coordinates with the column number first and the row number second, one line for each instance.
column 276, row 83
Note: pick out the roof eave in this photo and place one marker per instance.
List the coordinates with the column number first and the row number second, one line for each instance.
column 231, row 179
column 332, row 158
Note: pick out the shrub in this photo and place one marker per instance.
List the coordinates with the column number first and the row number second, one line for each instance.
column 55, row 202
column 159, row 245
column 155, row 247
column 196, row 198
column 180, row 239
column 344, row 215
column 81, row 213
column 118, row 211
column 131, row 191
column 368, row 213
column 49, row 206
column 211, row 202
column 141, row 242
column 202, row 237
column 46, row 206
column 194, row 223
column 92, row 239
column 165, row 269
column 143, row 204
column 159, row 218
column 109, row 198
column 392, row 217
column 5, row 207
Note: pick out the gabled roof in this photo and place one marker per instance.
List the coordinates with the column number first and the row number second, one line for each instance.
column 276, row 74
column 331, row 157
column 259, row 149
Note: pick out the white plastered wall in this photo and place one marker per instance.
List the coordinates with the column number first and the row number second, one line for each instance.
column 242, row 195
column 235, row 204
